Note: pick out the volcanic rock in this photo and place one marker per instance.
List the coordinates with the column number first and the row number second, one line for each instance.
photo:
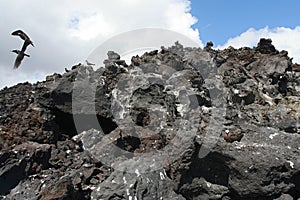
column 161, row 127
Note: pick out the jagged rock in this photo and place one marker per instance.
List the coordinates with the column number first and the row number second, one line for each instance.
column 21, row 162
column 62, row 189
column 24, row 119
column 113, row 55
column 155, row 129
column 208, row 45
column 201, row 189
column 285, row 197
column 265, row 46
column 122, row 184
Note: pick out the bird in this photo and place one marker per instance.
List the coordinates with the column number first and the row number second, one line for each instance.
column 19, row 58
column 232, row 136
column 24, row 37
column 88, row 63
column 296, row 67
column 21, row 53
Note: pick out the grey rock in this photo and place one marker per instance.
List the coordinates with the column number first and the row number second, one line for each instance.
column 157, row 128
column 285, row 197
column 265, row 46
column 201, row 189
column 122, row 184
column 21, row 162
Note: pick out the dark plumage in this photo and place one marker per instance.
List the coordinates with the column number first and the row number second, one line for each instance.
column 25, row 44
column 296, row 67
column 19, row 58
column 24, row 37
column 231, row 137
column 21, row 53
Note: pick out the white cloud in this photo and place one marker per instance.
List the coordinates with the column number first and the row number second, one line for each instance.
column 89, row 26
column 66, row 32
column 282, row 38
column 179, row 19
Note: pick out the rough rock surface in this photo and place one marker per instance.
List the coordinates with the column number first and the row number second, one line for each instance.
column 177, row 123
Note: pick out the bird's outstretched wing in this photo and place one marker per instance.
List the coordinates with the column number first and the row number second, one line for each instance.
column 19, row 58
column 23, row 36
column 17, row 62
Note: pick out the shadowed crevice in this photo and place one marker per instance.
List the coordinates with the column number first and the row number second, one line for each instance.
column 73, row 124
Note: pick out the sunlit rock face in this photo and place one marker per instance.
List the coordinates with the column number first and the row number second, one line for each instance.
column 175, row 123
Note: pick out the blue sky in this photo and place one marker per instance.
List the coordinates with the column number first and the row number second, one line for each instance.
column 219, row 20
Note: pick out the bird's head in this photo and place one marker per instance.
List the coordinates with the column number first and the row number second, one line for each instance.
column 15, row 51
column 17, row 32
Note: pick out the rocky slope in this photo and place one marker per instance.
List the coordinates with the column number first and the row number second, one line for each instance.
column 177, row 123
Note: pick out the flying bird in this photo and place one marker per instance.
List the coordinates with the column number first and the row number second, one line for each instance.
column 24, row 37
column 19, row 58
column 21, row 53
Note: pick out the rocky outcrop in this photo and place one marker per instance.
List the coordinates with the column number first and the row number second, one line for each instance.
column 178, row 123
